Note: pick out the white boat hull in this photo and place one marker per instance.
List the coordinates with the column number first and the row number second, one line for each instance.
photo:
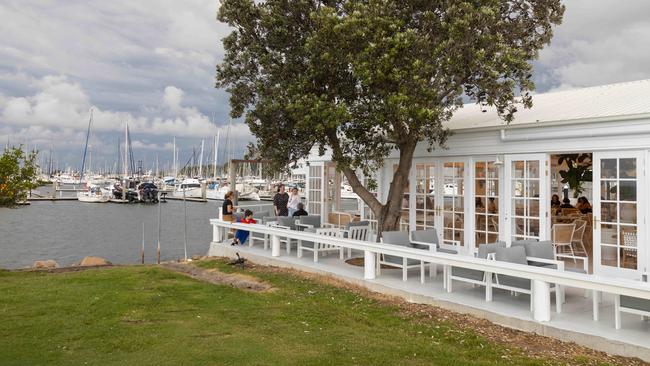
column 193, row 192
column 93, row 199
column 249, row 196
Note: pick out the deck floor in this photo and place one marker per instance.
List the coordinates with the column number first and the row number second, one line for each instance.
column 574, row 323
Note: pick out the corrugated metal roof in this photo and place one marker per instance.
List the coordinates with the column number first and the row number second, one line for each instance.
column 613, row 100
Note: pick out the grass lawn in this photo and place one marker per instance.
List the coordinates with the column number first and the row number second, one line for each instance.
column 146, row 315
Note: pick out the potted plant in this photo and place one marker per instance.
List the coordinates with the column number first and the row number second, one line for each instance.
column 577, row 172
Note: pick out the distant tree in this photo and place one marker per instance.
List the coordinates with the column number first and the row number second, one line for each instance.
column 252, row 152
column 17, row 175
column 363, row 78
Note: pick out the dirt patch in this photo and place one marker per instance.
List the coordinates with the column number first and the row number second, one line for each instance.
column 217, row 277
column 531, row 344
column 63, row 269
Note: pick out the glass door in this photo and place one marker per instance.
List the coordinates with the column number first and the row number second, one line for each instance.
column 315, row 189
column 452, row 202
column 425, row 200
column 526, row 195
column 486, row 202
column 617, row 213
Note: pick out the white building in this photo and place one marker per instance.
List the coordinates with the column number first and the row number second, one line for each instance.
column 514, row 169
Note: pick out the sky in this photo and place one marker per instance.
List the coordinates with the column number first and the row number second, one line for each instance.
column 152, row 63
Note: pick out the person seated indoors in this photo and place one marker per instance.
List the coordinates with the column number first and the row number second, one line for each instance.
column 492, row 205
column 566, row 203
column 300, row 211
column 583, row 205
column 478, row 202
column 555, row 201
column 241, row 236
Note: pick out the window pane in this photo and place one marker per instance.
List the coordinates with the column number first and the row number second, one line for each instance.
column 493, row 205
column 533, row 188
column 481, row 222
column 518, row 186
column 608, row 168
column 628, row 191
column 609, row 234
column 532, row 169
column 533, row 208
column 627, row 168
column 629, row 258
column 609, row 190
column 609, row 256
column 628, row 213
column 520, row 207
column 518, row 169
column 533, row 227
column 608, row 212
column 628, row 236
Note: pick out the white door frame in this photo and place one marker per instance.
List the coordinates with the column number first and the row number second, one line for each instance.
column 468, row 227
column 641, row 208
column 323, row 188
column 471, row 193
column 544, row 190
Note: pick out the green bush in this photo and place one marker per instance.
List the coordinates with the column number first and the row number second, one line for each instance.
column 17, row 175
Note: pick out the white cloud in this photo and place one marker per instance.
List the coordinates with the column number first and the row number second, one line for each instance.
column 60, row 103
column 172, row 98
column 599, row 42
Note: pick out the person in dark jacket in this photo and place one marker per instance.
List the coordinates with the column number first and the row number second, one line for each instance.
column 300, row 211
column 280, row 202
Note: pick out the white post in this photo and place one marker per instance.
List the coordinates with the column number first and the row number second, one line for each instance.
column 369, row 265
column 275, row 245
column 541, row 301
column 595, row 300
column 216, row 233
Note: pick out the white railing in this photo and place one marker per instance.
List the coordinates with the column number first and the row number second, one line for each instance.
column 540, row 277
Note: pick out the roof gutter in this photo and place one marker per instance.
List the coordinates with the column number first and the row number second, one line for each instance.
column 623, row 129
column 576, row 121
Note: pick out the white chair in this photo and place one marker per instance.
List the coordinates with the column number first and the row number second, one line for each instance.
column 528, row 253
column 473, row 276
column 562, row 235
column 317, row 247
column 578, row 235
column 259, row 237
column 400, row 238
column 629, row 247
column 428, row 239
column 362, row 233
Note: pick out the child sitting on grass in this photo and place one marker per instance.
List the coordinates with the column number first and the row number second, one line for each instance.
column 242, row 235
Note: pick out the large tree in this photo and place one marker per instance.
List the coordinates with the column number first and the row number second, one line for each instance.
column 364, row 78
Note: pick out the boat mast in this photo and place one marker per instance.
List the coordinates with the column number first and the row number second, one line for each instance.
column 174, row 159
column 126, row 150
column 83, row 161
column 216, row 153
column 201, row 161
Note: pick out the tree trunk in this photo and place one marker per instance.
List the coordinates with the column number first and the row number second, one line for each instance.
column 391, row 212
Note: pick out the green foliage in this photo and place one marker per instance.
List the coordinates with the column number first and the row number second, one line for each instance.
column 364, row 78
column 143, row 315
column 17, row 175
column 578, row 171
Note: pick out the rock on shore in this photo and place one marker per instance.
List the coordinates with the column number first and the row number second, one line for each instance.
column 93, row 261
column 45, row 264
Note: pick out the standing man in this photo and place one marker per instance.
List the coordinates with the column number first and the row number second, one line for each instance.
column 280, row 202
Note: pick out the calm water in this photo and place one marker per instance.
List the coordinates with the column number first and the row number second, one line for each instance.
column 67, row 231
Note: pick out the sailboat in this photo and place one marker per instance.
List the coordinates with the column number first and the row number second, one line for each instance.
column 93, row 193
